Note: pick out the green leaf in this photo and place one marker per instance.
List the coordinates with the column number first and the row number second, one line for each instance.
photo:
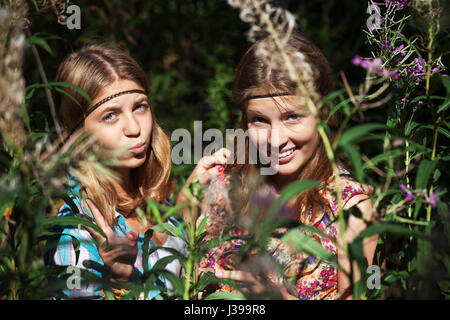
column 388, row 228
column 352, row 134
column 344, row 103
column 172, row 210
column 444, row 131
column 207, row 279
column 286, row 194
column 443, row 106
column 69, row 221
column 34, row 40
column 391, row 154
column 153, row 210
column 426, row 168
column 355, row 158
column 304, row 243
column 202, row 226
column 52, row 85
column 163, row 227
column 225, row 296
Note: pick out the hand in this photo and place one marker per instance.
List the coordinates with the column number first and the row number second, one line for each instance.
column 255, row 286
column 118, row 253
column 252, row 284
column 209, row 167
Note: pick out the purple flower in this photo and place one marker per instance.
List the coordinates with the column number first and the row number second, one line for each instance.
column 385, row 44
column 409, row 196
column 356, row 60
column 374, row 66
column 418, row 70
column 404, row 188
column 400, row 47
column 431, row 200
column 397, row 4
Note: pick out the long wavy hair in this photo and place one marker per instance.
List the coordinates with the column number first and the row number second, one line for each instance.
column 256, row 75
column 92, row 68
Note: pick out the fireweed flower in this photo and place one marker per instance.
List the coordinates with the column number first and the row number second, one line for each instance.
column 397, row 4
column 431, row 200
column 418, row 70
column 385, row 44
column 409, row 196
column 375, row 66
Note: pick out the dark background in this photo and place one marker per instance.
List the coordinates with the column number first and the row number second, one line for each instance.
column 190, row 48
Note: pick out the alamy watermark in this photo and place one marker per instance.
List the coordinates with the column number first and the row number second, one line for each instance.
column 74, row 280
column 374, row 21
column 374, row 280
column 235, row 141
column 74, row 19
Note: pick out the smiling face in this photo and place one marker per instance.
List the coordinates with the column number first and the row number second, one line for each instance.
column 123, row 123
column 296, row 138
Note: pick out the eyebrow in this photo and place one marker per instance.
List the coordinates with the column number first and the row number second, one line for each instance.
column 116, row 107
column 284, row 109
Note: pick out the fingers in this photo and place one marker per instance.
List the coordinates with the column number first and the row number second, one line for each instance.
column 97, row 236
column 220, row 157
column 98, row 217
column 132, row 237
column 121, row 251
column 235, row 275
column 202, row 271
column 212, row 172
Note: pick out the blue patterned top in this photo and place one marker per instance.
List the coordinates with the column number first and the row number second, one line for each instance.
column 64, row 253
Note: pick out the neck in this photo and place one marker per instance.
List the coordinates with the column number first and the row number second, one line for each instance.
column 280, row 181
column 125, row 185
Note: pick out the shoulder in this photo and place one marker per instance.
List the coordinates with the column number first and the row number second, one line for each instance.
column 67, row 230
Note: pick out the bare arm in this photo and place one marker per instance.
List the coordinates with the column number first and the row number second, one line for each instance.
column 355, row 226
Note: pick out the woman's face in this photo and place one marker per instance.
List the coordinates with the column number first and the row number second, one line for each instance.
column 284, row 124
column 123, row 123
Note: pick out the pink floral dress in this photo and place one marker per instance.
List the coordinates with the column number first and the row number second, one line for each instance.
column 314, row 278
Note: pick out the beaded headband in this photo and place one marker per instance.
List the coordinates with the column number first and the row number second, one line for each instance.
column 269, row 95
column 98, row 104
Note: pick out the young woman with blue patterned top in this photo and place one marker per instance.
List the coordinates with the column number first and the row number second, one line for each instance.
column 119, row 119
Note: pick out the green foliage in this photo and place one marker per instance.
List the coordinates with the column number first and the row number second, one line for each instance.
column 399, row 142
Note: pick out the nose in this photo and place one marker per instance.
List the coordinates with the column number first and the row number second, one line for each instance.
column 131, row 125
column 278, row 136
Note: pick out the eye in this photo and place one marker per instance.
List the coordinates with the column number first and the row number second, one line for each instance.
column 142, row 107
column 257, row 119
column 109, row 117
column 293, row 117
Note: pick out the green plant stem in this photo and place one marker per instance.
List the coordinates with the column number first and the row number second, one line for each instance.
column 433, row 112
column 51, row 102
column 190, row 262
column 409, row 221
column 13, row 282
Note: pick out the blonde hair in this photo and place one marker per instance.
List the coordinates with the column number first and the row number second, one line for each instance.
column 93, row 68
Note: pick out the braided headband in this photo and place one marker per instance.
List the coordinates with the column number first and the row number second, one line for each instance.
column 269, row 95
column 98, row 104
